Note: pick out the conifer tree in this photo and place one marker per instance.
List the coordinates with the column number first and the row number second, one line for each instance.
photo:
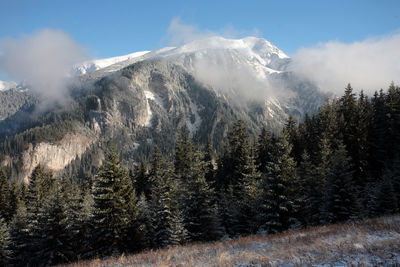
column 209, row 159
column 54, row 245
column 7, row 198
column 278, row 202
column 308, row 176
column 20, row 237
column 265, row 144
column 141, row 180
column 340, row 199
column 387, row 202
column 200, row 204
column 4, row 243
column 114, row 206
column 167, row 225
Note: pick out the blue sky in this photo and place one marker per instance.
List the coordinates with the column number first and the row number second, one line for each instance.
column 331, row 42
column 111, row 28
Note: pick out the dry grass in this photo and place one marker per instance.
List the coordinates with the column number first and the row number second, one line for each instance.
column 373, row 242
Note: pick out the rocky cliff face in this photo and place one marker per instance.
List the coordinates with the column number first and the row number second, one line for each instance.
column 54, row 156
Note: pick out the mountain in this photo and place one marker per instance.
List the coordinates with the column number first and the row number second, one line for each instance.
column 93, row 65
column 147, row 98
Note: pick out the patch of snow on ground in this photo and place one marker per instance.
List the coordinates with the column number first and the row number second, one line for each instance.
column 151, row 96
column 193, row 127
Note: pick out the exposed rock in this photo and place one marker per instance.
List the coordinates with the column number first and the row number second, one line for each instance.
column 54, row 156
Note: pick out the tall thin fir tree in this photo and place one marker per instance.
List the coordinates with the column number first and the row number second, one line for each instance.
column 341, row 202
column 113, row 196
column 5, row 253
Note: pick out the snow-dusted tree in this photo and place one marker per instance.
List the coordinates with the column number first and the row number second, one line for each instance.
column 114, row 207
column 341, row 200
column 278, row 201
column 4, row 243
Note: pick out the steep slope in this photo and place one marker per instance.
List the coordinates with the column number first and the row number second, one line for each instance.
column 147, row 99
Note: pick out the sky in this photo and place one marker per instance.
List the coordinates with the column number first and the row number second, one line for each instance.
column 113, row 28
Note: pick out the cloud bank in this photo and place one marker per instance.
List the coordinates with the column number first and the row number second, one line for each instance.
column 368, row 65
column 179, row 33
column 218, row 68
column 43, row 61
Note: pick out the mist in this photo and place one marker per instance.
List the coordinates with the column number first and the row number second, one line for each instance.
column 368, row 65
column 43, row 61
column 220, row 69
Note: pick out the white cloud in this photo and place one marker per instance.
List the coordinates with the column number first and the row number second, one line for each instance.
column 42, row 60
column 179, row 33
column 369, row 65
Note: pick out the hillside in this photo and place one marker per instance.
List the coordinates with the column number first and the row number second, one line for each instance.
column 372, row 242
column 146, row 98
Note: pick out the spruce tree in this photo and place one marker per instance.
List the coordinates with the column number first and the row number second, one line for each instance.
column 20, row 237
column 167, row 222
column 141, row 180
column 7, row 198
column 114, row 206
column 54, row 245
column 200, row 211
column 308, row 175
column 278, row 201
column 4, row 243
column 340, row 197
column 387, row 202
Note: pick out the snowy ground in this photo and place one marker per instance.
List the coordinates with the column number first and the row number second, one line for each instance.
column 374, row 242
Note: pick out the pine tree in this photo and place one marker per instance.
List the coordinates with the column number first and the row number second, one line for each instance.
column 291, row 130
column 386, row 196
column 114, row 205
column 7, row 198
column 20, row 237
column 200, row 204
column 141, row 180
column 311, row 193
column 378, row 133
column 340, row 199
column 41, row 184
column 54, row 246
column 278, row 202
column 209, row 161
column 166, row 225
column 4, row 243
column 265, row 144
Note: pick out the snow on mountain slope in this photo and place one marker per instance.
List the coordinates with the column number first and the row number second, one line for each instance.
column 4, row 85
column 264, row 56
column 255, row 50
column 93, row 65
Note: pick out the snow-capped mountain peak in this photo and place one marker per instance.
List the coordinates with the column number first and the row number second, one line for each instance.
column 93, row 65
column 5, row 85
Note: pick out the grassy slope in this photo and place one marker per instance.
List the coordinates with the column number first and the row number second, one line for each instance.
column 373, row 242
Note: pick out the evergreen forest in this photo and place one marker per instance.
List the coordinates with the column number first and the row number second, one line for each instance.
column 340, row 164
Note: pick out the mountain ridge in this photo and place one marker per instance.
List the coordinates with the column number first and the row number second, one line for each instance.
column 149, row 98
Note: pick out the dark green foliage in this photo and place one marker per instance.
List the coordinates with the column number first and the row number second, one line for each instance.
column 340, row 195
column 8, row 200
column 200, row 210
column 278, row 201
column 4, row 243
column 141, row 180
column 53, row 243
column 336, row 165
column 114, row 208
